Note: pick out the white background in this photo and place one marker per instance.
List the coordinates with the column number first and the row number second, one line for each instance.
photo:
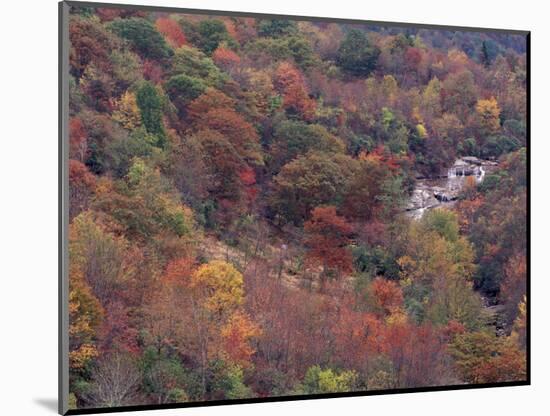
column 28, row 205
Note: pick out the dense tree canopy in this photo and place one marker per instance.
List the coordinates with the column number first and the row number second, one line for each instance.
column 237, row 207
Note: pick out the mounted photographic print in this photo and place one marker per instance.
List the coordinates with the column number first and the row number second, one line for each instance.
column 262, row 208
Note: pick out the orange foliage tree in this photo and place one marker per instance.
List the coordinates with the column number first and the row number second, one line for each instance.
column 237, row 335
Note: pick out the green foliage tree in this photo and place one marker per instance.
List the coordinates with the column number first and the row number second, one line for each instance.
column 442, row 222
column 317, row 381
column 459, row 93
column 121, row 151
column 356, row 55
column 194, row 63
column 227, row 381
column 150, row 107
column 276, row 27
column 489, row 51
column 145, row 204
column 211, row 33
column 374, row 191
column 481, row 357
column 294, row 138
column 182, row 89
column 285, row 48
column 309, row 181
column 126, row 69
column 495, row 146
column 394, row 132
column 143, row 36
column 164, row 378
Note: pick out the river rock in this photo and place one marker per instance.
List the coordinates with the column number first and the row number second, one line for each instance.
column 462, row 167
column 421, row 198
column 460, row 163
column 445, row 194
column 472, row 160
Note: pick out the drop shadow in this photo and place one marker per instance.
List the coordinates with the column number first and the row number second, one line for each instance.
column 49, row 404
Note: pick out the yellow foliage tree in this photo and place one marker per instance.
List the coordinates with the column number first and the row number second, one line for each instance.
column 220, row 286
column 390, row 89
column 488, row 113
column 421, row 130
column 217, row 327
column 438, row 257
column 85, row 315
column 127, row 111
column 431, row 100
column 519, row 330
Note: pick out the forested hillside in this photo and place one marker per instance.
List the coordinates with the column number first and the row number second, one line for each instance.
column 238, row 189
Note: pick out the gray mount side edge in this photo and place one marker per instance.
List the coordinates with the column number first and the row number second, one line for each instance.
column 63, row 209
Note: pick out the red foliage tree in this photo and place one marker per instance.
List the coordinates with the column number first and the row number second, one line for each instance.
column 417, row 354
column 327, row 237
column 225, row 58
column 178, row 271
column 118, row 332
column 211, row 99
column 452, row 329
column 89, row 43
column 373, row 233
column 248, row 179
column 83, row 183
column 355, row 335
column 242, row 29
column 77, row 139
column 215, row 111
column 290, row 83
column 413, row 57
column 171, row 31
column 108, row 14
column 467, row 210
column 387, row 295
column 367, row 197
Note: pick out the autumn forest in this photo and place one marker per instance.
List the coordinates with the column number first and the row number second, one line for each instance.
column 272, row 207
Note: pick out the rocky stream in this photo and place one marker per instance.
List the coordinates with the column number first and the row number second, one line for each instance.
column 444, row 189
